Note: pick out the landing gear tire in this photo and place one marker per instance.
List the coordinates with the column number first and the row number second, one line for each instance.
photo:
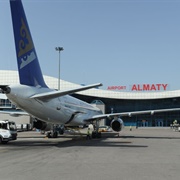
column 52, row 134
column 48, row 134
column 96, row 134
column 3, row 142
column 61, row 131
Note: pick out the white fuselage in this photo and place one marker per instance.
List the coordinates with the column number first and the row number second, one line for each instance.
column 61, row 110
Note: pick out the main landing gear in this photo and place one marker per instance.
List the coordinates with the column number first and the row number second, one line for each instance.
column 96, row 133
column 55, row 130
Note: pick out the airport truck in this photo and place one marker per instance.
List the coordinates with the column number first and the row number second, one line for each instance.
column 8, row 131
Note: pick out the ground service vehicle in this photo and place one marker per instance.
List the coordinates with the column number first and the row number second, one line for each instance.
column 104, row 129
column 8, row 131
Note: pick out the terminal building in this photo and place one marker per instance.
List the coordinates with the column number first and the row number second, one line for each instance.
column 113, row 101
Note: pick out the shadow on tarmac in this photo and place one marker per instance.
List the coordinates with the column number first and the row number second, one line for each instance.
column 71, row 143
column 107, row 140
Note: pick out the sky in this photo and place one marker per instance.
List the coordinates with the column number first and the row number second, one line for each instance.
column 114, row 42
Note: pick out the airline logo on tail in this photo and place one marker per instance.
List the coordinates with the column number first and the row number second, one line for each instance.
column 25, row 53
column 28, row 65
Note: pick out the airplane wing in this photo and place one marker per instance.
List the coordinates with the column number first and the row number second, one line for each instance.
column 15, row 113
column 151, row 112
column 54, row 94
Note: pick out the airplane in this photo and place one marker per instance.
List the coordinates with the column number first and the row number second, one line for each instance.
column 35, row 98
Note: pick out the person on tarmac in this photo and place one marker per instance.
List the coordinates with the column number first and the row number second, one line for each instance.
column 88, row 134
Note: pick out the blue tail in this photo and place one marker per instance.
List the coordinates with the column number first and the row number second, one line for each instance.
column 28, row 66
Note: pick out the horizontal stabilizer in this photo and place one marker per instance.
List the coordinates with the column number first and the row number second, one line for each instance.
column 54, row 94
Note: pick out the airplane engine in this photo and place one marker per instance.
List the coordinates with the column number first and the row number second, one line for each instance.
column 42, row 125
column 117, row 124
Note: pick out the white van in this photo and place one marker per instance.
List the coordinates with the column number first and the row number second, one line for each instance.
column 8, row 131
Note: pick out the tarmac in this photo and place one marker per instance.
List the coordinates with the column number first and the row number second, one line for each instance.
column 140, row 154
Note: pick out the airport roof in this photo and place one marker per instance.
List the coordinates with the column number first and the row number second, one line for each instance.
column 11, row 77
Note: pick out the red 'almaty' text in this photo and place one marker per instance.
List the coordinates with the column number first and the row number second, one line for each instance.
column 149, row 87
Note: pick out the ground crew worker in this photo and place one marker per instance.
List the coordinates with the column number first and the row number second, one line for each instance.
column 88, row 134
column 130, row 128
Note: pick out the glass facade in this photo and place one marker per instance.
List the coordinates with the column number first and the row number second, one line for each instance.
column 122, row 105
column 5, row 103
column 114, row 101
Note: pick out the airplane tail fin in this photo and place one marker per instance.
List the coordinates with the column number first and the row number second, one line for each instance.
column 28, row 65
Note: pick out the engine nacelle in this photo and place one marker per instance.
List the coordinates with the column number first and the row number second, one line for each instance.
column 42, row 125
column 117, row 124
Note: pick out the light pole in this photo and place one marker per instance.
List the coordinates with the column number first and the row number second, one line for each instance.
column 59, row 49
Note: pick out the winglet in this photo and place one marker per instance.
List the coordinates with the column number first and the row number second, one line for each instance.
column 28, row 65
